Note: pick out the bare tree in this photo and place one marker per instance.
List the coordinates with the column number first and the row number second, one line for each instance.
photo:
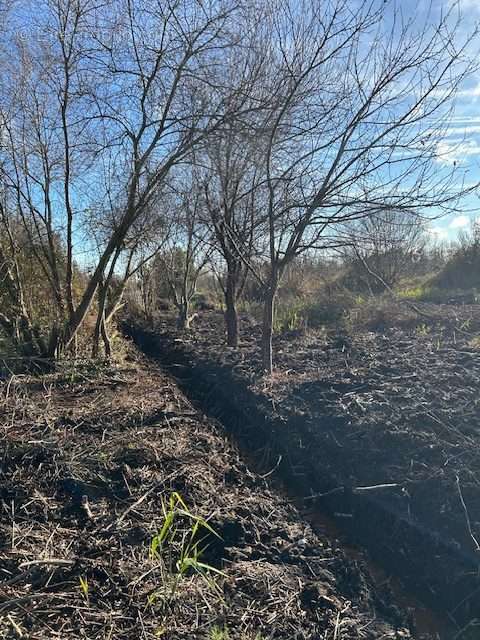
column 145, row 239
column 104, row 106
column 231, row 164
column 324, row 113
column 231, row 204
column 188, row 247
column 363, row 96
column 386, row 244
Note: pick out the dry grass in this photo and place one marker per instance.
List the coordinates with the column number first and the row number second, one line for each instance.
column 86, row 462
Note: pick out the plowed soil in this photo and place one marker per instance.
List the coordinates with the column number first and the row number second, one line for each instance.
column 88, row 463
column 395, row 412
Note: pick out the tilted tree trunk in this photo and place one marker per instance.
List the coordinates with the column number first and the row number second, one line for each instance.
column 104, row 316
column 101, row 326
column 75, row 322
column 107, row 344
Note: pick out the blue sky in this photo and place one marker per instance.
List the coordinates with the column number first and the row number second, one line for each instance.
column 461, row 144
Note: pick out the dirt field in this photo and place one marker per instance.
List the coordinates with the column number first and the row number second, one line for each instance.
column 395, row 413
column 86, row 465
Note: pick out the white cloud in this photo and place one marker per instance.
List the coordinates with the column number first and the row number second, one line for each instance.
column 438, row 233
column 454, row 151
column 470, row 92
column 459, row 222
column 459, row 127
column 462, row 126
column 465, row 5
column 464, row 120
column 475, row 128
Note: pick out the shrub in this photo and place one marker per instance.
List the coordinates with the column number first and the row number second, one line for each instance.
column 462, row 270
column 438, row 295
column 203, row 302
column 377, row 314
column 325, row 311
column 289, row 318
column 474, row 343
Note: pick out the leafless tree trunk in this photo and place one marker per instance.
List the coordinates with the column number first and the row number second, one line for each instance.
column 231, row 207
column 303, row 117
column 359, row 146
column 98, row 119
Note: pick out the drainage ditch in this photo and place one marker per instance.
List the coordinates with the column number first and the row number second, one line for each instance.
column 438, row 583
